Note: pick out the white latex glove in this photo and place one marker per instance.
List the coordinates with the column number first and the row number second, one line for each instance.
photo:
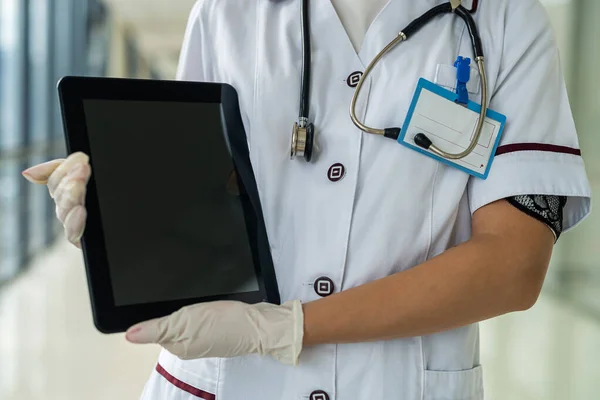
column 67, row 181
column 227, row 329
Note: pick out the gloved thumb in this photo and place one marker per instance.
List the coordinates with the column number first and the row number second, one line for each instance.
column 41, row 173
column 148, row 331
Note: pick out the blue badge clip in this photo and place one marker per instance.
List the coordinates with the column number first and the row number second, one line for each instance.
column 463, row 74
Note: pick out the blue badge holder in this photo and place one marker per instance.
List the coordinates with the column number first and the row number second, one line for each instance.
column 424, row 84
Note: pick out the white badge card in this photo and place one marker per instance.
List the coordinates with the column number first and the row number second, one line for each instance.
column 451, row 127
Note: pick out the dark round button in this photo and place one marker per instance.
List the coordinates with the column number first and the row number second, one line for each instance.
column 354, row 78
column 319, row 395
column 336, row 172
column 324, row 286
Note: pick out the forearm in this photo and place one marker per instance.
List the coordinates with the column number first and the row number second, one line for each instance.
column 469, row 283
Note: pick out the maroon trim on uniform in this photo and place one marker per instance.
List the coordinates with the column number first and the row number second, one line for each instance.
column 511, row 148
column 201, row 394
column 474, row 6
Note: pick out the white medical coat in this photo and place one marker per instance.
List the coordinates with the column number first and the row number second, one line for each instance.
column 393, row 208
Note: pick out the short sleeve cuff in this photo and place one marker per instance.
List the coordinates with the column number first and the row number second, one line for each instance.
column 533, row 172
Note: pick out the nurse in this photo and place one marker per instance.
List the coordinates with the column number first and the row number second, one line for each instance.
column 386, row 259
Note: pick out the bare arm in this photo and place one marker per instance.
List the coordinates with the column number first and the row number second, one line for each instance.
column 500, row 270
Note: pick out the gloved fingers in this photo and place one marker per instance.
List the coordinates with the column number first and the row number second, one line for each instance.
column 144, row 332
column 74, row 225
column 80, row 172
column 188, row 350
column 41, row 173
column 69, row 196
column 227, row 329
column 161, row 330
column 180, row 350
column 67, row 181
column 71, row 190
column 68, row 166
column 216, row 329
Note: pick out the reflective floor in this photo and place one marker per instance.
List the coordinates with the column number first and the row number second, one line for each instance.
column 50, row 350
column 49, row 347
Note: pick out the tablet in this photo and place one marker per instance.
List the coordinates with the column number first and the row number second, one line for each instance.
column 174, row 214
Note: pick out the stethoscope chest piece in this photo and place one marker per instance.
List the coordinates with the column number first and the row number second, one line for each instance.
column 302, row 141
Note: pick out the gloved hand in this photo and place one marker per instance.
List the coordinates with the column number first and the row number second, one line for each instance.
column 67, row 181
column 227, row 329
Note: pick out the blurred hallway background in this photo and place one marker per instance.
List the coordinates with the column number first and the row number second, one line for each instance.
column 49, row 348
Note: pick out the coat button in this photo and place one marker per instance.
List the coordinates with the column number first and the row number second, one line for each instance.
column 354, row 78
column 319, row 395
column 324, row 286
column 336, row 172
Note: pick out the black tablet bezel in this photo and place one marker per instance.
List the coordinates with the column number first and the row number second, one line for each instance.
column 109, row 318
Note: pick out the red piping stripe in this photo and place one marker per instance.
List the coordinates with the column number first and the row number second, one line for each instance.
column 511, row 148
column 473, row 9
column 201, row 394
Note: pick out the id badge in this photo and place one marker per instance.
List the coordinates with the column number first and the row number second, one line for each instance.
column 451, row 127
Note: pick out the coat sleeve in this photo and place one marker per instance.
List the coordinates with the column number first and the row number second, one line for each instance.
column 193, row 53
column 539, row 151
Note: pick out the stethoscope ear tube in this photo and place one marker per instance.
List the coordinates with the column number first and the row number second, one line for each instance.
column 405, row 34
column 306, row 63
column 303, row 131
column 420, row 22
column 421, row 139
column 473, row 31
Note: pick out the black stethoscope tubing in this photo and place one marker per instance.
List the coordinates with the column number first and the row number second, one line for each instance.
column 306, row 63
column 303, row 134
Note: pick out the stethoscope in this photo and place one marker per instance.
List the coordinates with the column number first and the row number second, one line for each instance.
column 303, row 134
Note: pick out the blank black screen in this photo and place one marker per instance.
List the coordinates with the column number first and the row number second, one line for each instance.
column 172, row 228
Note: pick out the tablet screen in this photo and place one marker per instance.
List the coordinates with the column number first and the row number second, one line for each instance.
column 172, row 220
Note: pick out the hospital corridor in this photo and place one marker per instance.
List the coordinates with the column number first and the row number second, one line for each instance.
column 49, row 346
